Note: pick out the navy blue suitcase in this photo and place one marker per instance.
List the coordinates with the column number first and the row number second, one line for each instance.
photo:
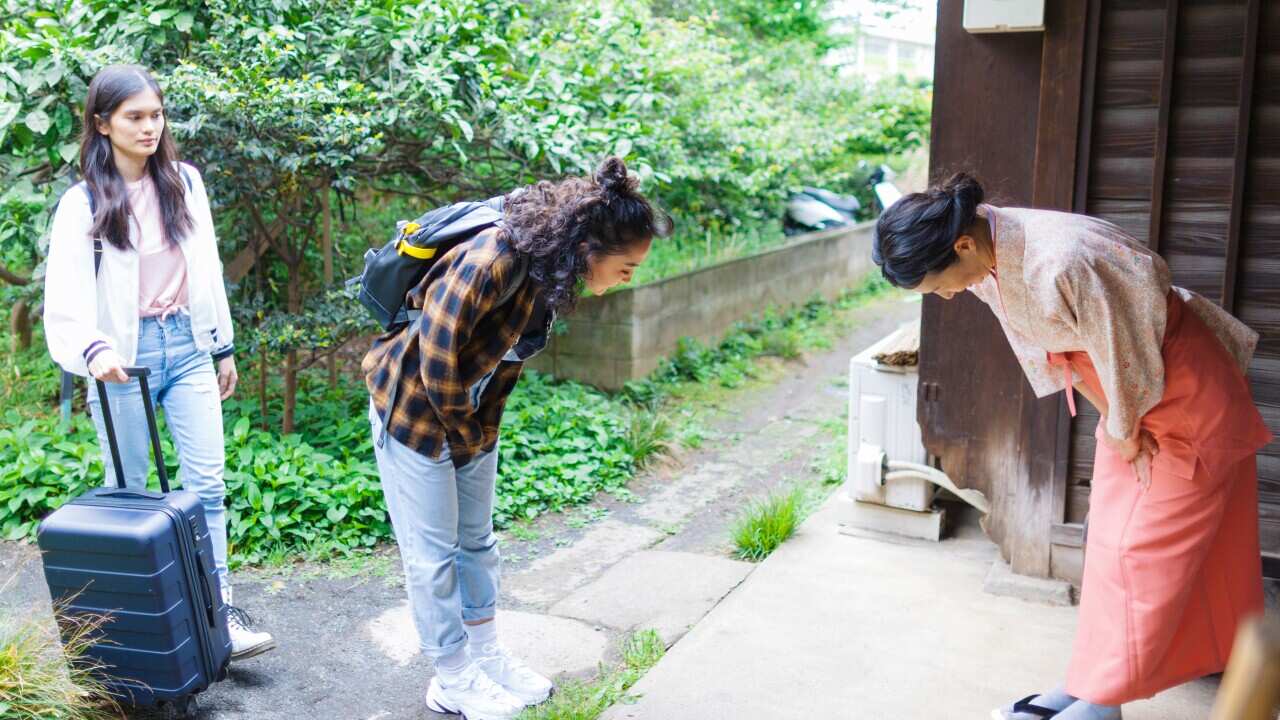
column 144, row 560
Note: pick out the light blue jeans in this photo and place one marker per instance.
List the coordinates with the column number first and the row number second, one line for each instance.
column 443, row 520
column 183, row 383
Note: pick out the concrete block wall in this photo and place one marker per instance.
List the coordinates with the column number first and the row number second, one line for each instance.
column 623, row 335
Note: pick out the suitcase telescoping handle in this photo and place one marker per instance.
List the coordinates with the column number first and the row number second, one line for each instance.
column 141, row 373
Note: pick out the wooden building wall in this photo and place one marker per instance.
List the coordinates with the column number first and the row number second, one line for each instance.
column 1162, row 116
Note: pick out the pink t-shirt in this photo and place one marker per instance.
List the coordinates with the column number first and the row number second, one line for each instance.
column 162, row 267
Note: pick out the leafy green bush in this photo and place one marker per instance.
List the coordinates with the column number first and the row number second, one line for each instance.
column 283, row 491
column 41, row 467
column 561, row 444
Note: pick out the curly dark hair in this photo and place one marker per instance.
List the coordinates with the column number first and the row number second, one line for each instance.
column 560, row 225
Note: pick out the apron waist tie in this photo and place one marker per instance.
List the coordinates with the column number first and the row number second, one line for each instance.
column 1060, row 360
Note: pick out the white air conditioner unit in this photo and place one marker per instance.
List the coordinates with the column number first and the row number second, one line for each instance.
column 995, row 16
column 882, row 414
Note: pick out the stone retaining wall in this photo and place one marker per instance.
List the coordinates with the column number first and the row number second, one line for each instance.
column 623, row 335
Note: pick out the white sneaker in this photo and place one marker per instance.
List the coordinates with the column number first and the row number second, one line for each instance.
column 245, row 641
column 472, row 694
column 512, row 674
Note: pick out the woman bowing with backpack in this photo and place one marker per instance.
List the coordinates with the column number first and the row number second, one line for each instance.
column 133, row 278
column 438, row 387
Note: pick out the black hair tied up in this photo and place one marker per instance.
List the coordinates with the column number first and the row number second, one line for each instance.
column 917, row 234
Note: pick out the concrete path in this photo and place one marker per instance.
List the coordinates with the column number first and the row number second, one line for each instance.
column 871, row 628
column 573, row 584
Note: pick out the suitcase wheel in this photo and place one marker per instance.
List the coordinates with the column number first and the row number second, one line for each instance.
column 182, row 709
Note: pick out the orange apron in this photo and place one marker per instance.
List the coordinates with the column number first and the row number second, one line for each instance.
column 1170, row 571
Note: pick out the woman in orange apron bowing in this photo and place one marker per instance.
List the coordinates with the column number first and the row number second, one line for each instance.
column 1172, row 564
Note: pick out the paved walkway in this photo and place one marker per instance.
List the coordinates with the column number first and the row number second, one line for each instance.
column 871, row 628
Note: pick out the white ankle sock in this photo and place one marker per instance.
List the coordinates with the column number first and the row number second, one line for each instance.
column 448, row 666
column 1082, row 710
column 482, row 634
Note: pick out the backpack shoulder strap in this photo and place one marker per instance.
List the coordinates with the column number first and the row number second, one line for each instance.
column 97, row 242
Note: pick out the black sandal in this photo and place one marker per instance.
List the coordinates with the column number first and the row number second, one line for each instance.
column 1024, row 706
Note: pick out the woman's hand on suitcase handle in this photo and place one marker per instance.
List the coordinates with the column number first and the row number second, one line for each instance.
column 108, row 366
column 227, row 376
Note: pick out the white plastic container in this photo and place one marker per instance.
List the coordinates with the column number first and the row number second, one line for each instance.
column 882, row 412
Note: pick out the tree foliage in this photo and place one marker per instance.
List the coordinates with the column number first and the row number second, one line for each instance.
column 721, row 107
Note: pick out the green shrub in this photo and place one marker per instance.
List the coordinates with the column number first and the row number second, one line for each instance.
column 41, row 467
column 561, row 444
column 282, row 491
column 318, row 489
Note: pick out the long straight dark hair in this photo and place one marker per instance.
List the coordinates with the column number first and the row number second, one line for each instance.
column 110, row 87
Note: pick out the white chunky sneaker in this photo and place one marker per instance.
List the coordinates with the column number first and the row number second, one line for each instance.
column 512, row 674
column 472, row 694
column 245, row 641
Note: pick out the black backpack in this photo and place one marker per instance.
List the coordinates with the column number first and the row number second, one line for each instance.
column 391, row 271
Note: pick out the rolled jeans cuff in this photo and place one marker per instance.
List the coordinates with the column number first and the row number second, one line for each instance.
column 439, row 652
column 471, row 614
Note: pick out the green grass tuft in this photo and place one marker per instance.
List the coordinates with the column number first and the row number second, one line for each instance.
column 42, row 679
column 587, row 700
column 767, row 523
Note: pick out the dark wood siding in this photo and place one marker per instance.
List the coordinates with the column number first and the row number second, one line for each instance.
column 1176, row 109
column 1185, row 155
column 1257, row 280
column 972, row 413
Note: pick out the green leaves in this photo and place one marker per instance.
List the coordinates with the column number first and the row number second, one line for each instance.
column 562, row 444
column 38, row 121
column 8, row 111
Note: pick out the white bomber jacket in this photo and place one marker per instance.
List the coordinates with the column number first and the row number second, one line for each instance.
column 83, row 314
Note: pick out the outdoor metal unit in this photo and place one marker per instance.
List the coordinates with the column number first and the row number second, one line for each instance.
column 882, row 414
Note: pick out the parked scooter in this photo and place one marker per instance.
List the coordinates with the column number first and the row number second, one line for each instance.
column 814, row 209
column 886, row 193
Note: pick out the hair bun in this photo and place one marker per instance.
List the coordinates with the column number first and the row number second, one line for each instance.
column 612, row 176
column 965, row 191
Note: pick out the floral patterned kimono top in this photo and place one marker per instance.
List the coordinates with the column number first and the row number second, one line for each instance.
column 1067, row 282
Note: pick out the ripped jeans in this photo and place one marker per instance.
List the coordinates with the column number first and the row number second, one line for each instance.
column 183, row 382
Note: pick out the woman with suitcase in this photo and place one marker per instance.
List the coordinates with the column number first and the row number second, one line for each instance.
column 438, row 387
column 134, row 279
